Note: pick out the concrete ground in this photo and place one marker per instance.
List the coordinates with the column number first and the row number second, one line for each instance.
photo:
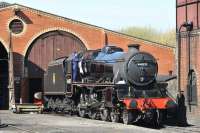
column 52, row 123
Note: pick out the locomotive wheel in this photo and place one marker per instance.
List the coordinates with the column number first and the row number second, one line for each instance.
column 105, row 115
column 92, row 114
column 81, row 112
column 127, row 117
column 157, row 119
column 57, row 105
column 52, row 105
column 49, row 105
column 114, row 116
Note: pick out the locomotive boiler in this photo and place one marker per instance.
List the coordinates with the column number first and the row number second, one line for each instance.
column 133, row 67
column 108, row 84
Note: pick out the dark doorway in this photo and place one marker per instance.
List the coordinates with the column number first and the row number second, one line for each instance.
column 3, row 77
column 192, row 88
column 47, row 47
column 35, row 85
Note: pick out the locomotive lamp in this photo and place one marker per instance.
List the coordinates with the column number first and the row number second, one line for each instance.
column 188, row 25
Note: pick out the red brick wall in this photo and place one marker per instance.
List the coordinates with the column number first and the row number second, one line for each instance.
column 94, row 37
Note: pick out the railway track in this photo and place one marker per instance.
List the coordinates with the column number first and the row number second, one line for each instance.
column 62, row 123
column 183, row 129
column 17, row 128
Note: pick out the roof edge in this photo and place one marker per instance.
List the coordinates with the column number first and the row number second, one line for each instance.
column 91, row 25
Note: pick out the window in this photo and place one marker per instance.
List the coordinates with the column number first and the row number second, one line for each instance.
column 16, row 26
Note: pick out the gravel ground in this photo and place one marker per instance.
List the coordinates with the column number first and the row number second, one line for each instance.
column 52, row 123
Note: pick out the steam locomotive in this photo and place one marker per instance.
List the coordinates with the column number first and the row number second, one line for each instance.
column 107, row 84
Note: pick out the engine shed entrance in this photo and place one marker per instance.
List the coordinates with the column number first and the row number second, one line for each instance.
column 47, row 47
column 3, row 77
column 39, row 37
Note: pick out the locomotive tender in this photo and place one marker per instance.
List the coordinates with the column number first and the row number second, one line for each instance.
column 107, row 84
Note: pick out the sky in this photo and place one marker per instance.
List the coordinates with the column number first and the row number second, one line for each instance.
column 111, row 14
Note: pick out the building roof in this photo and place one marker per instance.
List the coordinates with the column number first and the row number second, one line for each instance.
column 7, row 5
column 4, row 4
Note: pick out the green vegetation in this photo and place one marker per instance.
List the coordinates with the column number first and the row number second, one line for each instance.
column 166, row 38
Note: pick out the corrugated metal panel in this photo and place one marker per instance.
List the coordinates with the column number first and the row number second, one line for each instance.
column 181, row 16
column 4, row 4
column 184, row 2
column 198, row 15
column 49, row 47
column 180, row 2
column 190, row 1
column 192, row 14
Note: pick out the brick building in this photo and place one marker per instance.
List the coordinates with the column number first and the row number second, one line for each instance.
column 189, row 51
column 38, row 37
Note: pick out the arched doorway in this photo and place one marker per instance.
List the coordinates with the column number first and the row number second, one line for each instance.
column 47, row 47
column 3, row 77
column 192, row 88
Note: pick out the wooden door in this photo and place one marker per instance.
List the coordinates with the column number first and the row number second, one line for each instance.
column 48, row 47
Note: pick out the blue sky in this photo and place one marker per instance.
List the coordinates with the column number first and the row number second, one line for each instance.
column 111, row 14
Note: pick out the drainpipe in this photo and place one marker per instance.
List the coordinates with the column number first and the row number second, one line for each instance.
column 11, row 75
column 178, row 58
column 189, row 29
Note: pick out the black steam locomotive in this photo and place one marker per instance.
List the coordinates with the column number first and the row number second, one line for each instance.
column 107, row 84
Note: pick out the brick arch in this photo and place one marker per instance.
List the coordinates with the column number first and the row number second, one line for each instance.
column 54, row 29
column 41, row 51
column 30, row 57
column 4, row 76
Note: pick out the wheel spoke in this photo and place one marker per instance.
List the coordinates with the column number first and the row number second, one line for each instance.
column 105, row 115
column 114, row 116
column 127, row 117
column 92, row 114
column 82, row 112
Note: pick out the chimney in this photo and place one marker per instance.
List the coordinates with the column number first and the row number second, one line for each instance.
column 133, row 48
